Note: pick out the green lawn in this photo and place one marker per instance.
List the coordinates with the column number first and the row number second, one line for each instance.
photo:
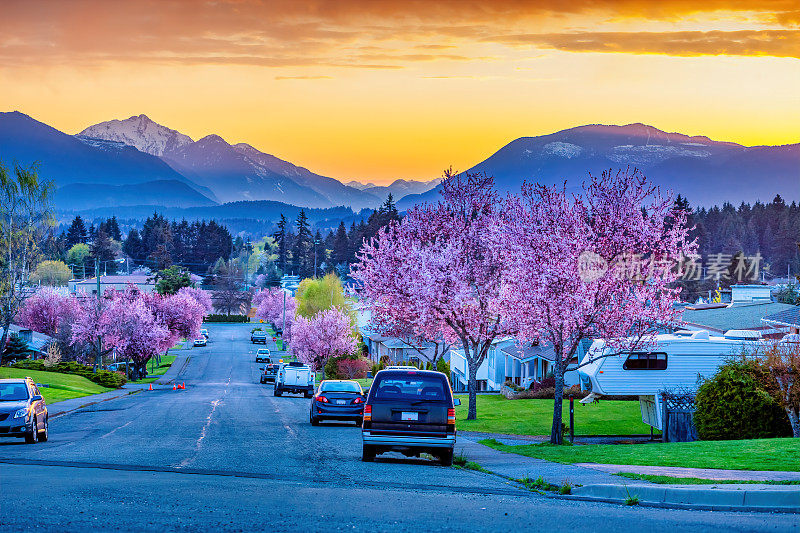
column 62, row 386
column 160, row 370
column 669, row 480
column 756, row 454
column 496, row 414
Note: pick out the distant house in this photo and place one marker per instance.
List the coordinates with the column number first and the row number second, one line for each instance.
column 290, row 283
column 397, row 349
column 787, row 321
column 749, row 305
column 510, row 360
column 37, row 342
column 118, row 282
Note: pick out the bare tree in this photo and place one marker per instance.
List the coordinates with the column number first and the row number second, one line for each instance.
column 25, row 211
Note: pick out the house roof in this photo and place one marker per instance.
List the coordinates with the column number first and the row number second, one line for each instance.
column 742, row 316
column 38, row 342
column 527, row 352
column 394, row 342
column 788, row 317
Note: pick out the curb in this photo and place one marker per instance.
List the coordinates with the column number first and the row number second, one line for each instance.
column 720, row 499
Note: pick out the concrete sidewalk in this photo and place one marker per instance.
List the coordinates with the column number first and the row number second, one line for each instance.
column 591, row 483
column 702, row 473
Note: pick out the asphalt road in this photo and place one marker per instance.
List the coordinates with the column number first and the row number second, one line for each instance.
column 225, row 454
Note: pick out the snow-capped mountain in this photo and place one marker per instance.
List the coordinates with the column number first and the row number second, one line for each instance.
column 141, row 133
column 401, row 188
column 232, row 172
column 705, row 171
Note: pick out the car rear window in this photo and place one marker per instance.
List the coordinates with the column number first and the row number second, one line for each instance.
column 410, row 387
column 342, row 386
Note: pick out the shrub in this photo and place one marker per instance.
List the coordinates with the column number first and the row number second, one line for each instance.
column 353, row 368
column 104, row 378
column 549, row 393
column 443, row 367
column 227, row 318
column 734, row 405
column 108, row 379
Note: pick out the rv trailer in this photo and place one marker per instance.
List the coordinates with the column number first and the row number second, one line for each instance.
column 673, row 361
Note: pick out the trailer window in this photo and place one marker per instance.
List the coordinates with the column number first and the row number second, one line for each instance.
column 646, row 361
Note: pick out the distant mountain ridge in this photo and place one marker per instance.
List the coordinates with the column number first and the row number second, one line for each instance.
column 705, row 171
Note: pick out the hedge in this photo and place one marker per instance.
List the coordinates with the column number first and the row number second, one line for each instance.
column 227, row 318
column 104, row 378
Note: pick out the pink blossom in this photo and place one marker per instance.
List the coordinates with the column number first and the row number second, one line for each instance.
column 47, row 310
column 327, row 334
column 200, row 296
column 132, row 330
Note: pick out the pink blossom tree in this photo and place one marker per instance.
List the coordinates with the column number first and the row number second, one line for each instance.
column 200, row 296
column 90, row 325
column 270, row 308
column 353, row 368
column 327, row 334
column 437, row 274
column 134, row 332
column 600, row 264
column 181, row 314
column 48, row 311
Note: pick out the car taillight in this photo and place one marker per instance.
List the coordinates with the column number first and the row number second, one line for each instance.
column 451, row 416
column 358, row 400
column 322, row 399
column 367, row 413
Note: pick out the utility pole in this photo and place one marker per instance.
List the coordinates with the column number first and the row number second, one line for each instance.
column 99, row 359
column 283, row 329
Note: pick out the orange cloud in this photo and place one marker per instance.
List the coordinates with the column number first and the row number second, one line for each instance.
column 777, row 43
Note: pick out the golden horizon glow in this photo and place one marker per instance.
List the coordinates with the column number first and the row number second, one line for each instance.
column 376, row 91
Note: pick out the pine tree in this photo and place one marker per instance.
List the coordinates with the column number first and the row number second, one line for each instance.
column 112, row 228
column 103, row 252
column 280, row 239
column 15, row 349
column 303, row 246
column 77, row 232
column 133, row 245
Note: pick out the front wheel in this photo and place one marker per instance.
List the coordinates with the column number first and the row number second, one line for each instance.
column 277, row 392
column 314, row 421
column 33, row 436
column 367, row 453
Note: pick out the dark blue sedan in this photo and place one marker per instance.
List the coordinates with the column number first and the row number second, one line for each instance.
column 337, row 400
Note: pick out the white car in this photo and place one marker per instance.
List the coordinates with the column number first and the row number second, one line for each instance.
column 263, row 356
column 204, row 333
column 200, row 341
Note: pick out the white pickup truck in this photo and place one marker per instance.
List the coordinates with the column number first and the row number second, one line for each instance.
column 295, row 377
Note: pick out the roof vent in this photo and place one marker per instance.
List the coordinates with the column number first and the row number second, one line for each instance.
column 701, row 335
column 742, row 335
column 684, row 333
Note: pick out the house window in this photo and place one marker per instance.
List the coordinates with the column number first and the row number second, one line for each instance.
column 646, row 361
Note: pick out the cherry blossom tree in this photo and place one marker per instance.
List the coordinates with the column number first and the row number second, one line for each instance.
column 437, row 274
column 353, row 368
column 181, row 314
column 270, row 308
column 327, row 334
column 200, row 296
column 48, row 311
column 90, row 325
column 134, row 332
column 599, row 264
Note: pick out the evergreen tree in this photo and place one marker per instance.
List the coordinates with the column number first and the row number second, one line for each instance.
column 280, row 240
column 133, row 245
column 76, row 233
column 15, row 349
column 112, row 228
column 341, row 245
column 303, row 246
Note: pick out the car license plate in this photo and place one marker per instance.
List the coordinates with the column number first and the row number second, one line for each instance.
column 340, row 402
column 409, row 416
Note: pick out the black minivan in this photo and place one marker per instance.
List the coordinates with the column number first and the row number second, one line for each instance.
column 409, row 411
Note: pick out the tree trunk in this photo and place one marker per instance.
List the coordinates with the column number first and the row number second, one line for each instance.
column 472, row 383
column 6, row 325
column 556, row 436
column 794, row 420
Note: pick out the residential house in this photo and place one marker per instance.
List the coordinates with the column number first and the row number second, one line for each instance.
column 37, row 342
column 786, row 321
column 510, row 360
column 749, row 305
column 119, row 282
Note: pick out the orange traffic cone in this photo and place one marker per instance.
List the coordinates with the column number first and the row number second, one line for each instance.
column 173, row 387
column 151, row 387
column 183, row 385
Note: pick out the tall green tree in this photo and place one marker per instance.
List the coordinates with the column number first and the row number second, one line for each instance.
column 303, row 252
column 171, row 280
column 25, row 213
column 77, row 232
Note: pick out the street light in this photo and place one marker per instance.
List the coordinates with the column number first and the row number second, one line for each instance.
column 316, row 242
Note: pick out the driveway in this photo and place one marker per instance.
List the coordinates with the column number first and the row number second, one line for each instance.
column 226, row 454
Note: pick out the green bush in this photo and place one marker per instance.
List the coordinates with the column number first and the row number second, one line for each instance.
column 227, row 318
column 104, row 378
column 733, row 405
column 443, row 367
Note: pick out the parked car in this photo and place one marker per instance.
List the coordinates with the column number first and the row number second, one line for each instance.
column 337, row 400
column 270, row 371
column 410, row 411
column 119, row 367
column 258, row 337
column 204, row 333
column 200, row 341
column 262, row 356
column 296, row 378
column 23, row 412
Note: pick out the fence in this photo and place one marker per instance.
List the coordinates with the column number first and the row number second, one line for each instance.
column 677, row 416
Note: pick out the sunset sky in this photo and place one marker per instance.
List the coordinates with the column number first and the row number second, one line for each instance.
column 382, row 89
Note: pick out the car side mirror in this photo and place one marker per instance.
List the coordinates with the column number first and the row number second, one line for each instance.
column 456, row 401
column 37, row 397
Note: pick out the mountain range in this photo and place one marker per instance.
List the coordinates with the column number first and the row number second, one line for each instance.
column 706, row 172
column 140, row 165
